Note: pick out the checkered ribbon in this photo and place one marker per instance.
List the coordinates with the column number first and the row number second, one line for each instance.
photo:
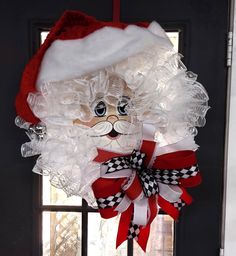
column 134, row 161
column 134, row 230
column 110, row 201
column 149, row 177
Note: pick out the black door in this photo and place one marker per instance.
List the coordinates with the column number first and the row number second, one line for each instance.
column 203, row 26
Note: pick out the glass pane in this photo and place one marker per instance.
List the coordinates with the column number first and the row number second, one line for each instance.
column 174, row 38
column 61, row 234
column 161, row 238
column 43, row 36
column 102, row 236
column 54, row 196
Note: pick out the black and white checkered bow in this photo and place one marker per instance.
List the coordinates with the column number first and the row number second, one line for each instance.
column 149, row 177
column 134, row 161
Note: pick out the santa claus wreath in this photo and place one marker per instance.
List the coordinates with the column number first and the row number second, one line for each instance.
column 112, row 113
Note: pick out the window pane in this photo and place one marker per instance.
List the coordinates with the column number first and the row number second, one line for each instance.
column 43, row 36
column 61, row 234
column 174, row 38
column 102, row 236
column 54, row 196
column 161, row 237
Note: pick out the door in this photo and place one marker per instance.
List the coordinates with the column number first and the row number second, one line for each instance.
column 203, row 26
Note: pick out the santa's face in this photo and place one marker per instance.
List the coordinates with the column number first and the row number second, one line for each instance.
column 114, row 127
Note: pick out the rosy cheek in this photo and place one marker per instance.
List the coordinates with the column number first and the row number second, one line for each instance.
column 126, row 118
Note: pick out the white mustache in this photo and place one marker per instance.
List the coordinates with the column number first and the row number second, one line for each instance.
column 125, row 127
column 121, row 126
column 102, row 128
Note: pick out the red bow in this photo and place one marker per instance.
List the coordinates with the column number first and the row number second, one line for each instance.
column 111, row 193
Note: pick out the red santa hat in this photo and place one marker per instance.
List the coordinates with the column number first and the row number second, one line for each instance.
column 79, row 44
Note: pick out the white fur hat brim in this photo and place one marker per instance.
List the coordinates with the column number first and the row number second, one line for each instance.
column 67, row 59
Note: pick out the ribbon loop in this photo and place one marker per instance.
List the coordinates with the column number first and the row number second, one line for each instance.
column 136, row 160
column 172, row 176
column 149, row 182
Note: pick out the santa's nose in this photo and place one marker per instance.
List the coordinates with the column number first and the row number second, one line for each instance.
column 112, row 118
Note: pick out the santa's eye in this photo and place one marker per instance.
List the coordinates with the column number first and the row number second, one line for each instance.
column 122, row 106
column 100, row 109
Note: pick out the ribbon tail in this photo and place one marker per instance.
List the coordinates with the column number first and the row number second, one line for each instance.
column 168, row 208
column 153, row 209
column 145, row 231
column 143, row 237
column 186, row 196
column 141, row 212
column 124, row 224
